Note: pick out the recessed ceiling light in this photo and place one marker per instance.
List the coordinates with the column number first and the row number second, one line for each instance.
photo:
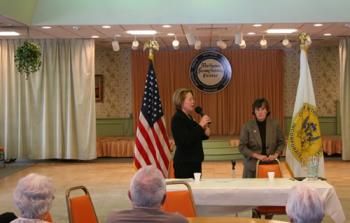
column 141, row 32
column 327, row 34
column 106, row 27
column 251, row 33
column 281, row 31
column 257, row 25
column 318, row 24
column 46, row 27
column 117, row 35
column 166, row 26
column 95, row 37
column 9, row 33
column 171, row 34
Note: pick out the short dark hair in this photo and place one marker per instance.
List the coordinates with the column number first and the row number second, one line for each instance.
column 261, row 102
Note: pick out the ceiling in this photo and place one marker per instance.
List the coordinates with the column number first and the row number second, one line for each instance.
column 207, row 33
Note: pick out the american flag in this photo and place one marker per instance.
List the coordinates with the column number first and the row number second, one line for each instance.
column 152, row 142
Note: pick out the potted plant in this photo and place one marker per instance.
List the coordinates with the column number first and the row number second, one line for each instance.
column 28, row 58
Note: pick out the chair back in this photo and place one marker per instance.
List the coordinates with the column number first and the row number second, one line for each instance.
column 262, row 168
column 180, row 201
column 80, row 208
column 47, row 217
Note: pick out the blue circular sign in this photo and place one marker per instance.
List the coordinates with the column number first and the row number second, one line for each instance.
column 210, row 71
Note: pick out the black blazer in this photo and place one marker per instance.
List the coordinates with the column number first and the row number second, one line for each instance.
column 188, row 136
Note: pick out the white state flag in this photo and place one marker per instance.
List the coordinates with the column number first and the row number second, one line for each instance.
column 304, row 139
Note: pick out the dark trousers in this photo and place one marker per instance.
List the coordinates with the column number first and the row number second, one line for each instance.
column 248, row 173
column 186, row 170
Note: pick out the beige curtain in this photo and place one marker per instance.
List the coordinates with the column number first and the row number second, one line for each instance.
column 52, row 114
column 256, row 73
column 344, row 57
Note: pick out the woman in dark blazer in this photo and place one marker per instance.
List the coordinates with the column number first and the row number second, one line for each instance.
column 188, row 135
column 260, row 139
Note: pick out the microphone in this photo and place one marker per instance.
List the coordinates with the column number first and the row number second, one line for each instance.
column 200, row 111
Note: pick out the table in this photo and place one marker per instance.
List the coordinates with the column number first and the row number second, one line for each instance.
column 259, row 192
column 229, row 220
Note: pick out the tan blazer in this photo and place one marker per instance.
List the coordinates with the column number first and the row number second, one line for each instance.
column 250, row 141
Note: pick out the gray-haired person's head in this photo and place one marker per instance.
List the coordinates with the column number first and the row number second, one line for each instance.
column 147, row 188
column 304, row 205
column 33, row 195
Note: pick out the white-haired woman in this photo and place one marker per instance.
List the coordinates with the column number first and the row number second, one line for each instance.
column 33, row 197
column 304, row 205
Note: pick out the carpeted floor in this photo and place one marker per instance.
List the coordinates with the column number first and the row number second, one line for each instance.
column 13, row 167
column 108, row 182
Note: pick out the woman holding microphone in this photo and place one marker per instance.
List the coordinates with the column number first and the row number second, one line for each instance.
column 188, row 135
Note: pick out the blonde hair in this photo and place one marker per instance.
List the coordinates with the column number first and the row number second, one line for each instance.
column 179, row 97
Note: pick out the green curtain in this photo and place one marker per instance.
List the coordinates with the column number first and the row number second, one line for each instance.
column 52, row 114
column 344, row 57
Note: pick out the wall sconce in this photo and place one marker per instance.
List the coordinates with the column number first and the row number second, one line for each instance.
column 242, row 45
column 115, row 45
column 263, row 43
column 285, row 42
column 197, row 44
column 176, row 44
column 221, row 44
column 135, row 44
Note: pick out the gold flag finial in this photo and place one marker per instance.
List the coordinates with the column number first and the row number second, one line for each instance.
column 151, row 45
column 305, row 41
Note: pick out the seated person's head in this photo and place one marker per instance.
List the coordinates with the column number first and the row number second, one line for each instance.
column 33, row 196
column 304, row 205
column 147, row 188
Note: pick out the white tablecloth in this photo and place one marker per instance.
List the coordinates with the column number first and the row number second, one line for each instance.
column 260, row 192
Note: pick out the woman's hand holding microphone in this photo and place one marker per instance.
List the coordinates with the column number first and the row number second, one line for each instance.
column 204, row 122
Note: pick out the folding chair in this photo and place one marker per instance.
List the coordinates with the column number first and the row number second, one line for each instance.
column 80, row 208
column 180, row 201
column 262, row 168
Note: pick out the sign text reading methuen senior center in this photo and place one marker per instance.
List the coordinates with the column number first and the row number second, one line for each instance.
column 210, row 71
